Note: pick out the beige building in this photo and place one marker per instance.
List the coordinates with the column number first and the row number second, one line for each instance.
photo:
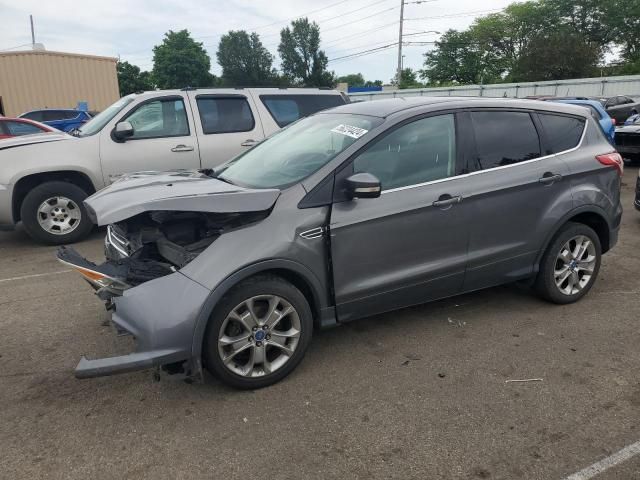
column 36, row 79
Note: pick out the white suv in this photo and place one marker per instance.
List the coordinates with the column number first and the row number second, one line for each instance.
column 45, row 178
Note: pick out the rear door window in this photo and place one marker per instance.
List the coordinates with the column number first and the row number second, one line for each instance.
column 504, row 138
column 561, row 132
column 286, row 109
column 225, row 114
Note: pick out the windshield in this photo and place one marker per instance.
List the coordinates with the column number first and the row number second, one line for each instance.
column 297, row 151
column 99, row 121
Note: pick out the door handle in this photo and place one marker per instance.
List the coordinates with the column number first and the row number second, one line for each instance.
column 248, row 143
column 548, row 178
column 182, row 148
column 447, row 201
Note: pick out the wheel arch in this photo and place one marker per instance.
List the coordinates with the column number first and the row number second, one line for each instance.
column 295, row 273
column 590, row 215
column 28, row 182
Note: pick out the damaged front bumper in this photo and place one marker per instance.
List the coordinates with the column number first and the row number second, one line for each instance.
column 160, row 314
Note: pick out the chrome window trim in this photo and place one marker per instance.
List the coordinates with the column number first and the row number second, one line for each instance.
column 477, row 172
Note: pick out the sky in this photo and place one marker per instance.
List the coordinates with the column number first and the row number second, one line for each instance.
column 130, row 29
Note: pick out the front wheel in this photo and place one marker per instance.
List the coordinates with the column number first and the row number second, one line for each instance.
column 570, row 265
column 258, row 333
column 53, row 213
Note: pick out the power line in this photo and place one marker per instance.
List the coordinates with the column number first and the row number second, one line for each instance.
column 375, row 29
column 344, row 24
column 362, row 53
column 453, row 15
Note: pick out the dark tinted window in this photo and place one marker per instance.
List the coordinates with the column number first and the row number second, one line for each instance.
column 52, row 115
column 225, row 114
column 419, row 152
column 562, row 133
column 286, row 109
column 21, row 128
column 37, row 116
column 504, row 138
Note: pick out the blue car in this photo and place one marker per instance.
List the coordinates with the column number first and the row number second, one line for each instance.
column 598, row 112
column 65, row 120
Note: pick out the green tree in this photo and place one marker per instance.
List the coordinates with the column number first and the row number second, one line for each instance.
column 374, row 83
column 409, row 79
column 302, row 60
column 353, row 79
column 131, row 79
column 456, row 59
column 179, row 61
column 245, row 61
column 559, row 55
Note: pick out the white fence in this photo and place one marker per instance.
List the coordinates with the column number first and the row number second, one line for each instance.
column 583, row 87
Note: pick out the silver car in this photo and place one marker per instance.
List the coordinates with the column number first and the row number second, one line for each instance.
column 355, row 211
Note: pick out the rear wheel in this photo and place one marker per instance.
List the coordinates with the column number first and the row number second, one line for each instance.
column 258, row 333
column 53, row 213
column 570, row 265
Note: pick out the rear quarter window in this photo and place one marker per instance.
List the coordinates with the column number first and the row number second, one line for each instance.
column 286, row 109
column 561, row 132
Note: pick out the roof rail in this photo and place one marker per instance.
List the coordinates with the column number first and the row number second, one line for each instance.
column 188, row 89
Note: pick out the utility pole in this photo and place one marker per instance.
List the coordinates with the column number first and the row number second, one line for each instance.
column 33, row 34
column 399, row 74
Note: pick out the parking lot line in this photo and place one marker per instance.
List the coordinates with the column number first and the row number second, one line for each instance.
column 23, row 277
column 606, row 463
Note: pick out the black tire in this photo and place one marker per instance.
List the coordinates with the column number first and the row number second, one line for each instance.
column 47, row 190
column 252, row 287
column 545, row 283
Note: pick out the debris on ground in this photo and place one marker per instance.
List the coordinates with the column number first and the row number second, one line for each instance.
column 524, row 380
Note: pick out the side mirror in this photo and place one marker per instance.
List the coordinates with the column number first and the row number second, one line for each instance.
column 122, row 131
column 363, row 185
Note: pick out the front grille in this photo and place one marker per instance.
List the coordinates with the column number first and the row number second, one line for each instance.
column 627, row 140
column 117, row 240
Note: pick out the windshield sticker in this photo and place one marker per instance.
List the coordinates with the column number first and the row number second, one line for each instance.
column 349, row 131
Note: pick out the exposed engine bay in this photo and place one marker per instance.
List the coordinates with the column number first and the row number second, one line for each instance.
column 151, row 245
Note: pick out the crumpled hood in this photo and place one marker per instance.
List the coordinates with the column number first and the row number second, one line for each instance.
column 34, row 138
column 185, row 191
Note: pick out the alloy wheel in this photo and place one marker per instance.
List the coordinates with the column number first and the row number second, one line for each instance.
column 259, row 336
column 575, row 265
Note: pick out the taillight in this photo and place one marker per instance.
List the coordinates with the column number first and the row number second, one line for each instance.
column 612, row 159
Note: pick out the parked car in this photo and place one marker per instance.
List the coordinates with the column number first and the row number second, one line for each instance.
column 159, row 130
column 65, row 120
column 636, row 201
column 598, row 112
column 628, row 141
column 15, row 127
column 619, row 107
column 355, row 211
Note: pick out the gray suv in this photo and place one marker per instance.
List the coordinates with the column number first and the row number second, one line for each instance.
column 358, row 210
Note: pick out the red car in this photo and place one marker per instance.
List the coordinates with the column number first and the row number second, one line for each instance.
column 13, row 127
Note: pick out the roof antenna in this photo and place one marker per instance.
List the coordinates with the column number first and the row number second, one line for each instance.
column 33, row 34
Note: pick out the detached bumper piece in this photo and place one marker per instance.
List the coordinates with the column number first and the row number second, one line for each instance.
column 103, row 367
column 106, row 279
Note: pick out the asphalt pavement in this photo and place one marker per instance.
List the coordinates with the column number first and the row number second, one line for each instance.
column 417, row 394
